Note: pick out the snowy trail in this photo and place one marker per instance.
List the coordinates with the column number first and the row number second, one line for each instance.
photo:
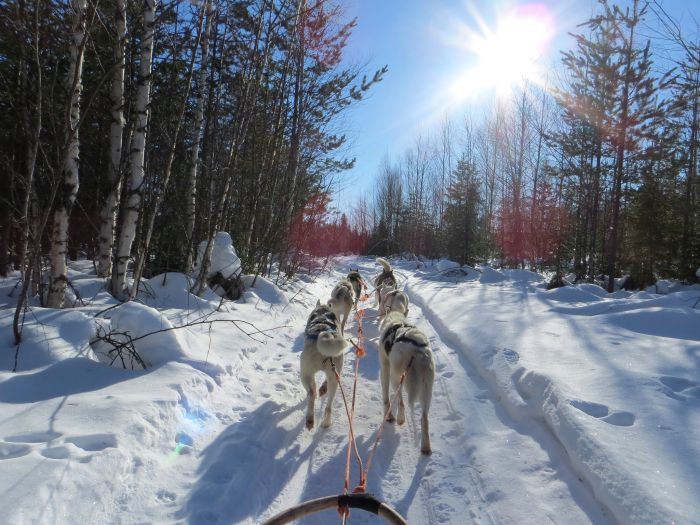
column 557, row 406
column 485, row 469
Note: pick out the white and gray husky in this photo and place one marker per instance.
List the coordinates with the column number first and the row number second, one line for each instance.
column 392, row 300
column 404, row 348
column 386, row 278
column 342, row 301
column 323, row 344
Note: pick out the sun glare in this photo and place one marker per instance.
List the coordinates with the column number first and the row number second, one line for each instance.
column 507, row 55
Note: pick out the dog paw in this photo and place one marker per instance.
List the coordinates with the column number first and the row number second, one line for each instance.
column 400, row 419
column 324, row 388
column 390, row 419
column 426, row 450
column 309, row 424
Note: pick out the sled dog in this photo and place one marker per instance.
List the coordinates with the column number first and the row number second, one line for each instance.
column 358, row 284
column 392, row 300
column 386, row 278
column 323, row 342
column 342, row 300
column 404, row 348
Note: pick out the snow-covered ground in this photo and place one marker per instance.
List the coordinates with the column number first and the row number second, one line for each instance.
column 567, row 406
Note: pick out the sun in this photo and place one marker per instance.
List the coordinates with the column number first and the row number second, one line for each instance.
column 507, row 55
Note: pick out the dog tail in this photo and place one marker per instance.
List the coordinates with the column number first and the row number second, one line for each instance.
column 420, row 377
column 384, row 263
column 331, row 344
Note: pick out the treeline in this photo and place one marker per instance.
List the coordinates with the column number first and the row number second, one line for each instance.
column 597, row 174
column 131, row 131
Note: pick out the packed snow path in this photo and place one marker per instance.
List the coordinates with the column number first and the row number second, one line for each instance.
column 562, row 406
column 485, row 468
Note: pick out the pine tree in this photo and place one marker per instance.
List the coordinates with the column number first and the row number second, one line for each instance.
column 462, row 228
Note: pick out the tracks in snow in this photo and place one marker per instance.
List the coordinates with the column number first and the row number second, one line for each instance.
column 485, row 468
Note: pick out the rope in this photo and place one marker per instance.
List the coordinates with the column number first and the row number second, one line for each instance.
column 344, row 510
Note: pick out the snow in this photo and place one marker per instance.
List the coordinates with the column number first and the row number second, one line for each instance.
column 138, row 321
column 223, row 257
column 445, row 265
column 569, row 405
column 490, row 276
column 260, row 288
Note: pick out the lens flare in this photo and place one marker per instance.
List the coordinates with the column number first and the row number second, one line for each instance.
column 507, row 55
column 194, row 421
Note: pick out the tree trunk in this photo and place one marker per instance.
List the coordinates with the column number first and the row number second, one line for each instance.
column 130, row 216
column 194, row 154
column 25, row 263
column 251, row 83
column 69, row 173
column 621, row 138
column 687, row 259
column 150, row 221
column 108, row 213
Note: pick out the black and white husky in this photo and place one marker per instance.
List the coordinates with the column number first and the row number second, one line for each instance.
column 343, row 299
column 404, row 348
column 323, row 343
column 386, row 278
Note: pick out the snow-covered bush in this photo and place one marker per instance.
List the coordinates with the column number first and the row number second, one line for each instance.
column 223, row 276
column 131, row 321
column 224, row 259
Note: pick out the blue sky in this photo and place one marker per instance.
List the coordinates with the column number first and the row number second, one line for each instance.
column 418, row 40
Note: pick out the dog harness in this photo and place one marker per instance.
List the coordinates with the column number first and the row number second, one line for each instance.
column 385, row 277
column 326, row 322
column 399, row 333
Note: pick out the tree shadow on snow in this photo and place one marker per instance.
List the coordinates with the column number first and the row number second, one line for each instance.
column 59, row 380
column 248, row 466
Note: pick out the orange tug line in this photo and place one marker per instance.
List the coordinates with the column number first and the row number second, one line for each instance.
column 344, row 512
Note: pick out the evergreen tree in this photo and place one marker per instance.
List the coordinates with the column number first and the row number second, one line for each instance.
column 462, row 228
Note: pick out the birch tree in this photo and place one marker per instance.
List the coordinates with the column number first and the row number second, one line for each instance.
column 69, row 174
column 198, row 128
column 130, row 217
column 167, row 171
column 108, row 213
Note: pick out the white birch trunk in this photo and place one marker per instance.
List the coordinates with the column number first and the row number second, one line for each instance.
column 194, row 154
column 108, row 214
column 69, row 174
column 130, row 218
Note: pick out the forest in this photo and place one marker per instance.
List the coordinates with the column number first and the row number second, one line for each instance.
column 132, row 131
column 592, row 173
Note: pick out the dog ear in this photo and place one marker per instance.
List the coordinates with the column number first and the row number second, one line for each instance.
column 318, row 303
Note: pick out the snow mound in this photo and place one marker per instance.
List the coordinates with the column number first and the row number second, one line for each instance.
column 472, row 273
column 489, row 276
column 593, row 288
column 445, row 265
column 571, row 294
column 670, row 322
column 264, row 289
column 223, row 257
column 662, row 286
column 137, row 320
column 172, row 290
column 518, row 275
column 49, row 336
